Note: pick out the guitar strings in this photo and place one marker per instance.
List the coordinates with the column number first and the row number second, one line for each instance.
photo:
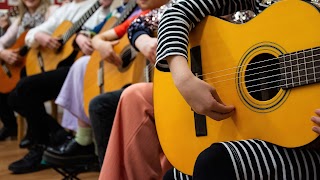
column 262, row 72
column 238, row 72
column 267, row 60
column 271, row 87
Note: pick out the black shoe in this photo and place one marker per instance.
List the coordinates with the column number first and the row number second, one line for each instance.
column 8, row 132
column 70, row 153
column 26, row 142
column 30, row 162
column 59, row 137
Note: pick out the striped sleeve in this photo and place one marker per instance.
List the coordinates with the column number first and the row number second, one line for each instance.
column 177, row 22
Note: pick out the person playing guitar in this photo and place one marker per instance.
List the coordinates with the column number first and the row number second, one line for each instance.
column 28, row 18
column 31, row 92
column 246, row 159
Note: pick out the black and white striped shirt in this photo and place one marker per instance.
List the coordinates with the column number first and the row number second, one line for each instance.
column 178, row 21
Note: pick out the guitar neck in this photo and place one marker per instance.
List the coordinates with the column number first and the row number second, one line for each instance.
column 127, row 12
column 78, row 24
column 300, row 68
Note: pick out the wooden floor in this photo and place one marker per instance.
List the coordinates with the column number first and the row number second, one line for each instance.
column 10, row 152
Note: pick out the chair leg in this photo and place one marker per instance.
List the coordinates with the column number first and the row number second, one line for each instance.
column 21, row 127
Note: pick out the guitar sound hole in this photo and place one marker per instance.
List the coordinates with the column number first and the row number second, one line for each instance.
column 126, row 58
column 262, row 77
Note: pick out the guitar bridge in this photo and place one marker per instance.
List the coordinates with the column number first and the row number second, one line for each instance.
column 40, row 61
column 5, row 69
column 196, row 67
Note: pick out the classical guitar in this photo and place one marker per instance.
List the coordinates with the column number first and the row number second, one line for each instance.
column 10, row 74
column 269, row 68
column 102, row 76
column 44, row 59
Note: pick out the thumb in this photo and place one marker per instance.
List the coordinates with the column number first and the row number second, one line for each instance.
column 15, row 50
column 113, row 43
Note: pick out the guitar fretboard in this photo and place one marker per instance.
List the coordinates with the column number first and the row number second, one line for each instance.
column 77, row 25
column 127, row 12
column 300, row 68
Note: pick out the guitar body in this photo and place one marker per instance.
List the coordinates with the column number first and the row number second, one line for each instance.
column 228, row 52
column 51, row 59
column 9, row 83
column 114, row 78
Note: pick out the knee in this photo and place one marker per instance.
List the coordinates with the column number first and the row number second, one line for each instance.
column 101, row 103
column 213, row 161
column 95, row 105
column 16, row 97
column 137, row 93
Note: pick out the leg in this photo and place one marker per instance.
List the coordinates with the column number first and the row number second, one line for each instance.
column 102, row 110
column 8, row 118
column 256, row 159
column 71, row 93
column 174, row 174
column 134, row 151
column 28, row 98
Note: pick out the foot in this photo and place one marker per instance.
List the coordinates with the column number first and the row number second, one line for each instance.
column 59, row 137
column 26, row 142
column 7, row 132
column 30, row 162
column 70, row 153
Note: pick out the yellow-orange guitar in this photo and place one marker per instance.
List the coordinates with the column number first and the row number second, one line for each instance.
column 102, row 76
column 10, row 74
column 269, row 68
column 44, row 59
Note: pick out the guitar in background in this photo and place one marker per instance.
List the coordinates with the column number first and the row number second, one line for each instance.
column 10, row 74
column 102, row 76
column 44, row 59
column 12, row 12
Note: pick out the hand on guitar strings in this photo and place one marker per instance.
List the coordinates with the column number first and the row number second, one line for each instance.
column 202, row 97
column 84, row 44
column 316, row 120
column 45, row 40
column 10, row 56
column 147, row 46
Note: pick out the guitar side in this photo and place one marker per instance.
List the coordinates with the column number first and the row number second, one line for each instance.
column 9, row 83
column 276, row 31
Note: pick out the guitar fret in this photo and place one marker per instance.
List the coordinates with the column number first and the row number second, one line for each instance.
column 316, row 59
column 295, row 70
column 77, row 25
column 309, row 66
column 288, row 70
column 283, row 73
column 302, row 69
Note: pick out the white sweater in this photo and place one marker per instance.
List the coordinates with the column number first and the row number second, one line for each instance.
column 70, row 12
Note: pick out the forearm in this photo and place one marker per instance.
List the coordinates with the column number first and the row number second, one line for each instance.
column 177, row 21
column 179, row 69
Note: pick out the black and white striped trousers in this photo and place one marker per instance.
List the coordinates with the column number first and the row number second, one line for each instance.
column 253, row 159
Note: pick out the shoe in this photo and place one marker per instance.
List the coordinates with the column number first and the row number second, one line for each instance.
column 69, row 154
column 59, row 137
column 6, row 133
column 26, row 142
column 30, row 162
